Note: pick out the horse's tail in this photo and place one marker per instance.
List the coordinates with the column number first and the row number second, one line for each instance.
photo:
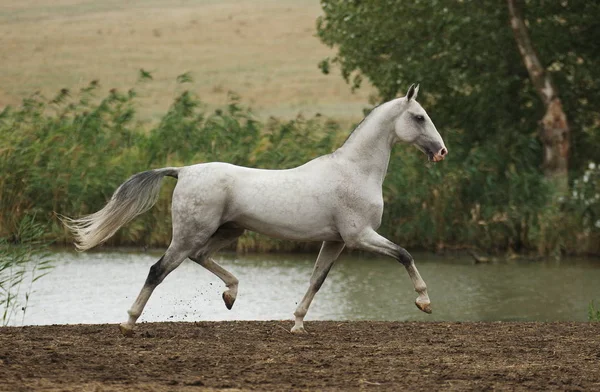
column 135, row 196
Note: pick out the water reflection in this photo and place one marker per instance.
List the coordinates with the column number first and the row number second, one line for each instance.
column 100, row 287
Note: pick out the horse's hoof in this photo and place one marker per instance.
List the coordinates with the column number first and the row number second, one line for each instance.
column 298, row 330
column 126, row 330
column 228, row 299
column 424, row 306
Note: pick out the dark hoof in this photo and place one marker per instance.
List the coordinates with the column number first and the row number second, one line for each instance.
column 228, row 299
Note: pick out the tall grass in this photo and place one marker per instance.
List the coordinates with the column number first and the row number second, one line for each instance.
column 593, row 312
column 24, row 259
column 67, row 154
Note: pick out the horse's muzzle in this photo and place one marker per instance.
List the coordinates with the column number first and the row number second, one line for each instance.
column 438, row 156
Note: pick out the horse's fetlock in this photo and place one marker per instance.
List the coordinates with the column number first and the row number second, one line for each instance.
column 234, row 283
column 300, row 312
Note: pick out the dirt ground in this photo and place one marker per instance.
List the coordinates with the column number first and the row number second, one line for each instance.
column 334, row 356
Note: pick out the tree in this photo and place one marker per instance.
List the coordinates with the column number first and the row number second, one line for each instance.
column 471, row 71
column 554, row 132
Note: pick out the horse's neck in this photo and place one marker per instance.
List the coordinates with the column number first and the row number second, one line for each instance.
column 369, row 147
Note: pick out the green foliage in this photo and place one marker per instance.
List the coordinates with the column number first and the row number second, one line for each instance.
column 68, row 154
column 583, row 207
column 584, row 200
column 471, row 73
column 64, row 154
column 22, row 255
column 593, row 312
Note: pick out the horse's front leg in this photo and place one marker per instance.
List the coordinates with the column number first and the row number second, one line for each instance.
column 371, row 241
column 328, row 254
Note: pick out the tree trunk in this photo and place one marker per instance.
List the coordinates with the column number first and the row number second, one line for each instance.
column 554, row 132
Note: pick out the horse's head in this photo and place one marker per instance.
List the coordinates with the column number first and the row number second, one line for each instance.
column 414, row 126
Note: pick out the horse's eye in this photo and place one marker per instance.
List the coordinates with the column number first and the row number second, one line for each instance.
column 419, row 118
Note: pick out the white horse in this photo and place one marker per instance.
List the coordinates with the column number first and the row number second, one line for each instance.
column 335, row 198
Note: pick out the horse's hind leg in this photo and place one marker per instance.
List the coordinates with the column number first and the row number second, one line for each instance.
column 224, row 236
column 227, row 277
column 172, row 258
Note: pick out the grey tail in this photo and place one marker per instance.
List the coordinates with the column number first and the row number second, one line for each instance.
column 135, row 196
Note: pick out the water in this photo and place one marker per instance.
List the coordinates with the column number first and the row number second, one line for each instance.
column 100, row 287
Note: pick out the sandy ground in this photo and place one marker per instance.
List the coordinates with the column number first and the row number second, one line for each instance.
column 334, row 356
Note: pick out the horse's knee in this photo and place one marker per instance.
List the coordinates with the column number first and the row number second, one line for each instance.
column 404, row 257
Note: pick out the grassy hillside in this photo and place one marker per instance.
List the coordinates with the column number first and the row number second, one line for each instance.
column 264, row 51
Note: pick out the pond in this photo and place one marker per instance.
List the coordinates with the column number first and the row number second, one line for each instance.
column 99, row 287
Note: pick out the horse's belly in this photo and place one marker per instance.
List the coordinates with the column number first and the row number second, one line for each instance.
column 290, row 225
column 295, row 233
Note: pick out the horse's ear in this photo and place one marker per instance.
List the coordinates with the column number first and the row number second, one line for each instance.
column 412, row 92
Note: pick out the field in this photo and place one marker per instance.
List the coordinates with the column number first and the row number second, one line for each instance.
column 334, row 356
column 264, row 51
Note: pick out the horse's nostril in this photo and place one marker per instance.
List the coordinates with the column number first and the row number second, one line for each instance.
column 443, row 152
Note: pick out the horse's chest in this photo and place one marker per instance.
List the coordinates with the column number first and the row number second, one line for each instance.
column 374, row 212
